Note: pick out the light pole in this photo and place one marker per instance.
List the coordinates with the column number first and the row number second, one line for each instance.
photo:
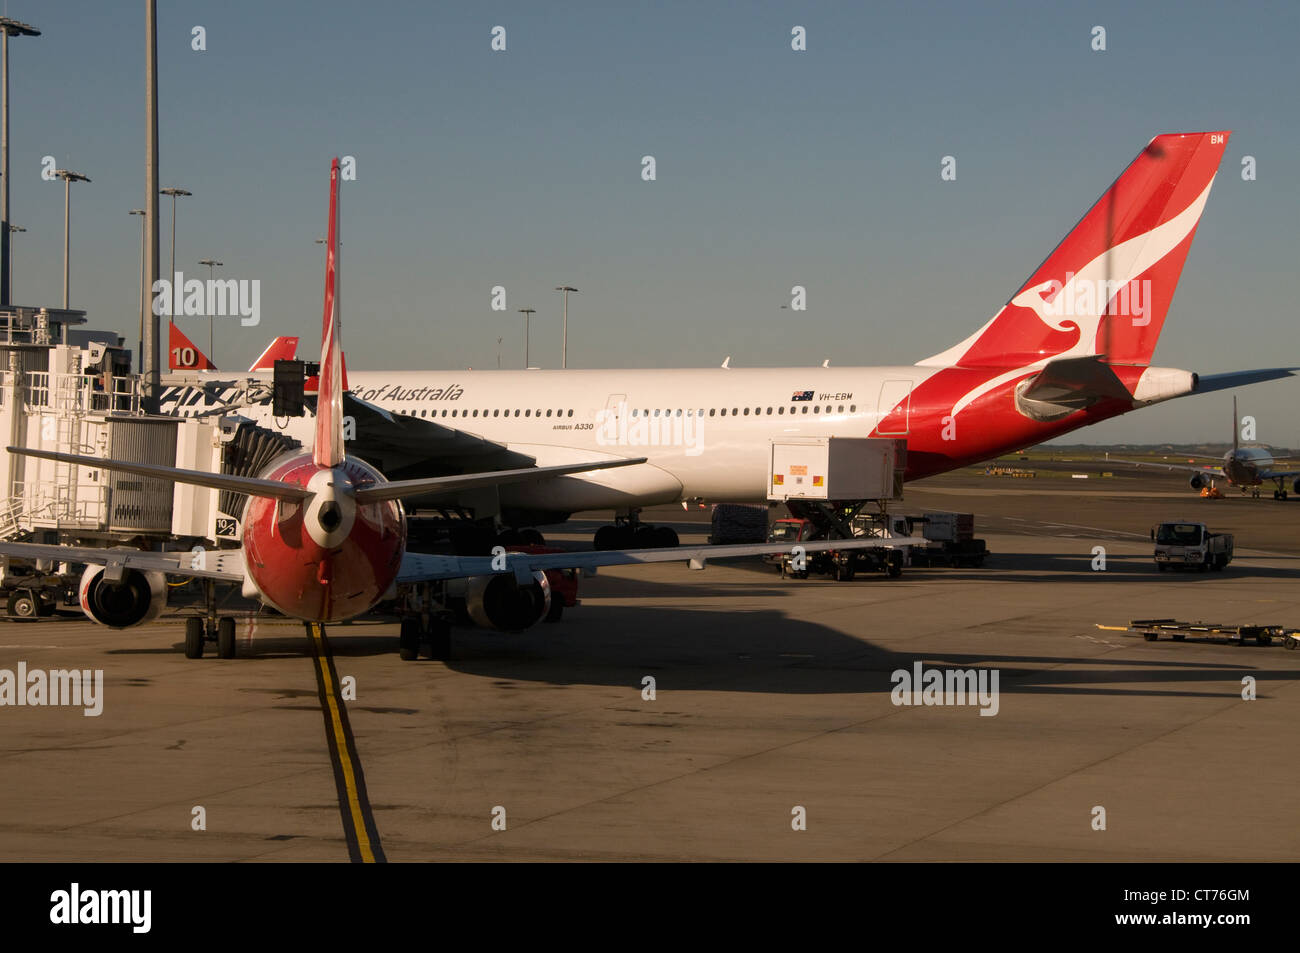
column 68, row 178
column 527, row 313
column 211, row 263
column 8, row 28
column 564, row 347
column 13, row 229
column 140, row 339
column 171, row 277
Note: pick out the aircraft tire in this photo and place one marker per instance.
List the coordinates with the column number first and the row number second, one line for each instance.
column 226, row 637
column 408, row 640
column 194, row 637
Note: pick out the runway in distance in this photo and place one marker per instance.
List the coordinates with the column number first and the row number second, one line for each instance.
column 1245, row 467
column 1072, row 347
column 323, row 534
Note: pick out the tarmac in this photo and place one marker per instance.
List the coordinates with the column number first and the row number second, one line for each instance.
column 772, row 733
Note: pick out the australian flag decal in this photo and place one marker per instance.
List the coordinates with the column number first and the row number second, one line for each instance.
column 802, row 395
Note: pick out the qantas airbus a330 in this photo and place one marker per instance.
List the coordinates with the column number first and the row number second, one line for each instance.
column 1072, row 347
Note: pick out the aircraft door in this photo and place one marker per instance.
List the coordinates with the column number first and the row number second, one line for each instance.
column 895, row 408
column 616, row 407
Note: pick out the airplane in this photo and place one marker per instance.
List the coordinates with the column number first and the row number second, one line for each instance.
column 1070, row 348
column 323, row 536
column 1246, row 467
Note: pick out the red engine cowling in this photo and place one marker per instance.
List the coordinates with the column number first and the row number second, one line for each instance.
column 136, row 598
column 499, row 602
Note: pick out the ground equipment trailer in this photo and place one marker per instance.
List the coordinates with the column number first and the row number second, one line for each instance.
column 950, row 540
column 1153, row 629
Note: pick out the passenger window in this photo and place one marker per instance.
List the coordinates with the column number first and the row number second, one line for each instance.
column 781, row 410
column 746, row 411
column 853, row 408
column 570, row 414
column 805, row 408
column 548, row 412
column 712, row 411
column 476, row 413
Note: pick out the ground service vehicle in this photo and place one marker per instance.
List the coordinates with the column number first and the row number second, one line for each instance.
column 842, row 564
column 1189, row 544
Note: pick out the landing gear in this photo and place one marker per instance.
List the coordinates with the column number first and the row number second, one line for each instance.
column 194, row 637
column 200, row 630
column 425, row 629
column 628, row 532
column 226, row 637
column 409, row 640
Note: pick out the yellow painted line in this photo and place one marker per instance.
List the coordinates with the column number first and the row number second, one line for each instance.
column 1113, row 628
column 345, row 752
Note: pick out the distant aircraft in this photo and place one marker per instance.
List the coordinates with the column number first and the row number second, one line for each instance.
column 184, row 355
column 1246, row 467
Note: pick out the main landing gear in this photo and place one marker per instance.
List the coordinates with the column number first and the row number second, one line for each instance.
column 424, row 629
column 628, row 532
column 199, row 630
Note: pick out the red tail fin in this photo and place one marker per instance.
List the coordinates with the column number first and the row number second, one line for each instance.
column 327, row 451
column 1106, row 288
column 280, row 349
column 182, row 355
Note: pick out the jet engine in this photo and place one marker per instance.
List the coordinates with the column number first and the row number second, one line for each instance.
column 1198, row 481
column 1296, row 487
column 135, row 598
column 500, row 602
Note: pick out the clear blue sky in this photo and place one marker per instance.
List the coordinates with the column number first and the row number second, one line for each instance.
column 775, row 168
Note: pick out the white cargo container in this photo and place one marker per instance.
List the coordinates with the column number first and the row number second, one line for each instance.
column 836, row 468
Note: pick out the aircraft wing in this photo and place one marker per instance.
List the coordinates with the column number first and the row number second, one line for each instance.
column 421, row 567
column 226, row 565
column 1278, row 474
column 1213, row 472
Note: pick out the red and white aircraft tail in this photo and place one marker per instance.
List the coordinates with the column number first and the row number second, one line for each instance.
column 1106, row 288
column 183, row 354
column 327, row 451
column 280, row 349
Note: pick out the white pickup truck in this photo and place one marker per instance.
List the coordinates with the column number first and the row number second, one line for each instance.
column 1190, row 545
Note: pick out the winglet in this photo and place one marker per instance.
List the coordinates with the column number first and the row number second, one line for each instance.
column 327, row 451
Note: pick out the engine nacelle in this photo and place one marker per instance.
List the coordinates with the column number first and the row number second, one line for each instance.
column 1296, row 487
column 136, row 598
column 1197, row 481
column 499, row 602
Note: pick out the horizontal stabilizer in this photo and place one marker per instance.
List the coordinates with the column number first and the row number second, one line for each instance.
column 1212, row 382
column 1067, row 385
column 253, row 486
